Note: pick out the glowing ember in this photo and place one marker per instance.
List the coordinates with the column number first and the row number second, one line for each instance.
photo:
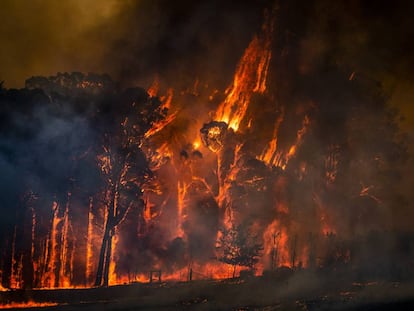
column 28, row 304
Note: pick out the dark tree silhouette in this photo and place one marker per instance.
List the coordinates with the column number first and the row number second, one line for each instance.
column 237, row 246
column 123, row 165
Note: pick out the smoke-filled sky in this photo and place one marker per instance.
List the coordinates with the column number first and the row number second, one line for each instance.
column 182, row 39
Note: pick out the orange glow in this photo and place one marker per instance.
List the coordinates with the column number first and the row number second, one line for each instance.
column 274, row 157
column 181, row 196
column 183, row 166
column 154, row 88
column 270, row 155
column 276, row 247
column 250, row 77
column 113, row 277
column 51, row 275
column 28, row 304
column 89, row 245
column 299, row 137
column 160, row 125
column 196, row 144
column 64, row 275
column 325, row 222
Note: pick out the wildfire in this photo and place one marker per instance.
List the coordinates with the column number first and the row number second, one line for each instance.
column 274, row 157
column 28, row 304
column 276, row 247
column 160, row 125
column 89, row 244
column 271, row 155
column 250, row 77
column 197, row 186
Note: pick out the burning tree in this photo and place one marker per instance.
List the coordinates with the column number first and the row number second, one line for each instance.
column 123, row 165
column 297, row 151
column 237, row 246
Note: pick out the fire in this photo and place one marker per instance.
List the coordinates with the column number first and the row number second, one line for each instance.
column 166, row 104
column 299, row 137
column 114, row 279
column 276, row 246
column 274, row 157
column 89, row 244
column 160, row 125
column 28, row 304
column 207, row 176
column 154, row 88
column 271, row 155
column 182, row 188
column 326, row 224
column 196, row 144
column 250, row 77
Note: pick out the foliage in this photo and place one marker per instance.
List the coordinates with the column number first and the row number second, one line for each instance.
column 237, row 246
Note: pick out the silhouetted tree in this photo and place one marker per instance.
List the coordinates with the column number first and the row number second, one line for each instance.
column 237, row 246
column 123, row 165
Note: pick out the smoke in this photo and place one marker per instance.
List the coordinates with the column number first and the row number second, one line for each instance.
column 337, row 174
column 45, row 37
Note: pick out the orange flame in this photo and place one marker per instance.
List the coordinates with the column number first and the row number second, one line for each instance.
column 154, row 88
column 28, row 304
column 276, row 247
column 89, row 244
column 250, row 77
column 270, row 155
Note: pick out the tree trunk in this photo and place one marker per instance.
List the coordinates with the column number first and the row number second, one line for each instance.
column 102, row 272
column 107, row 261
column 102, row 254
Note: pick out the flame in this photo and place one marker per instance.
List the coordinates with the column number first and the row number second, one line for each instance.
column 274, row 157
column 51, row 275
column 280, row 244
column 114, row 279
column 181, row 195
column 16, row 265
column 166, row 104
column 89, row 245
column 299, row 137
column 276, row 247
column 250, row 77
column 196, row 144
column 160, row 125
column 64, row 275
column 270, row 155
column 28, row 304
column 154, row 88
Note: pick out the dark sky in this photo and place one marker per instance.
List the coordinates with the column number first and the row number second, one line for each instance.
column 129, row 39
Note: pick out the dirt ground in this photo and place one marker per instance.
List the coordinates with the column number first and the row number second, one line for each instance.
column 299, row 291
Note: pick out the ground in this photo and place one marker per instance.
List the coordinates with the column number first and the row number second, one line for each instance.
column 299, row 291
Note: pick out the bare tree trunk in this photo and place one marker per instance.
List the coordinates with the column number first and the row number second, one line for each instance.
column 102, row 253
column 107, row 261
column 103, row 256
column 102, row 274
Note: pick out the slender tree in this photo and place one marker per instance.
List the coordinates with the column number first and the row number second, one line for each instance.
column 236, row 246
column 123, row 165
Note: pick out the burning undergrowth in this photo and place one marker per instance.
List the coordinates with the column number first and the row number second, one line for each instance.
column 109, row 184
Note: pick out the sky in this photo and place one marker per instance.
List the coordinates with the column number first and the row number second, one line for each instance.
column 129, row 39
